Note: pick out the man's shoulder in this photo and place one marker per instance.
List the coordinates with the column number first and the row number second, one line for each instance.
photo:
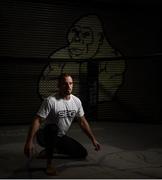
column 52, row 97
column 75, row 98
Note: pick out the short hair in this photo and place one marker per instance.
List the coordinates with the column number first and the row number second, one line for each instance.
column 62, row 76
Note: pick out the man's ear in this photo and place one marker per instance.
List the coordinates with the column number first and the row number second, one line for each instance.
column 100, row 37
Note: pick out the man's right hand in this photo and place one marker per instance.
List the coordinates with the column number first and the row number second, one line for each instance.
column 29, row 146
column 28, row 149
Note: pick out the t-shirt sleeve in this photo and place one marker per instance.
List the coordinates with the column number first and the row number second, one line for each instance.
column 80, row 112
column 45, row 109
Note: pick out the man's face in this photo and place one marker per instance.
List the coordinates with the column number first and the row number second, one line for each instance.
column 66, row 86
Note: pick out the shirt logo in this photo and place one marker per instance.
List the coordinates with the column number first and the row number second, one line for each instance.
column 67, row 114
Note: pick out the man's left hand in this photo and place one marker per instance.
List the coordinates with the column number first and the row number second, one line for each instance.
column 96, row 145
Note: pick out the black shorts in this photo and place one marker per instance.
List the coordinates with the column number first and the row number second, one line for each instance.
column 47, row 137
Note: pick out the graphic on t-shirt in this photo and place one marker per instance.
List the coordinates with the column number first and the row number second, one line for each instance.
column 66, row 114
column 86, row 41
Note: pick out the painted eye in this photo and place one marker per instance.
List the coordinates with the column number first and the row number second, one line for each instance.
column 86, row 34
column 73, row 30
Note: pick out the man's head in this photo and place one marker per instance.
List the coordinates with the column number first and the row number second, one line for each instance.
column 65, row 84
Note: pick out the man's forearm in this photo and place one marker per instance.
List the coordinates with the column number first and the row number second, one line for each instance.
column 33, row 129
column 86, row 128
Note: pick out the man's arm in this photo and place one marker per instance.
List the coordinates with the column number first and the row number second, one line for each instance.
column 29, row 140
column 86, row 128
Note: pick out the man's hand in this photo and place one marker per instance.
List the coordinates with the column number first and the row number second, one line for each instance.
column 96, row 145
column 86, row 128
column 29, row 146
column 28, row 149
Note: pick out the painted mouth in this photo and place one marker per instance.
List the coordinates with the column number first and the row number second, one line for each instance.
column 76, row 51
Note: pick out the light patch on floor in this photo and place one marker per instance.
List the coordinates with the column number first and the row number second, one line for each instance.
column 118, row 158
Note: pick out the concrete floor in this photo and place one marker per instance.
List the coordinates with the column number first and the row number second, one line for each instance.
column 129, row 150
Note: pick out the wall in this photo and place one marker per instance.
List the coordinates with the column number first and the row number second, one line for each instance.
column 31, row 32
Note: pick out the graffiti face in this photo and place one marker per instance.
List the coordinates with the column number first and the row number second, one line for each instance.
column 80, row 40
column 84, row 38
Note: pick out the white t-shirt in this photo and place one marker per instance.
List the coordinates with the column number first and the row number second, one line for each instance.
column 61, row 112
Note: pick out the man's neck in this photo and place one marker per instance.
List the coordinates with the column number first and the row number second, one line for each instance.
column 65, row 97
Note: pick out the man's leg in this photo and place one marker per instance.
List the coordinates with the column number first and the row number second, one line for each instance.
column 71, row 147
column 50, row 133
column 48, row 139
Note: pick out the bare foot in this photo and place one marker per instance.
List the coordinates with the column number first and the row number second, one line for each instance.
column 51, row 171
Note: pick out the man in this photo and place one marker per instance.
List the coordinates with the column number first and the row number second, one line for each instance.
column 59, row 111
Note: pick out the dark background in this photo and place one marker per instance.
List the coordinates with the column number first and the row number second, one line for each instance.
column 31, row 30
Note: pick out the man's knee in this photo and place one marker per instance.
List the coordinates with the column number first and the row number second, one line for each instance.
column 82, row 154
column 47, row 136
column 40, row 138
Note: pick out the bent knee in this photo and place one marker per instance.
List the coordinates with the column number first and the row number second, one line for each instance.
column 81, row 155
column 85, row 154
